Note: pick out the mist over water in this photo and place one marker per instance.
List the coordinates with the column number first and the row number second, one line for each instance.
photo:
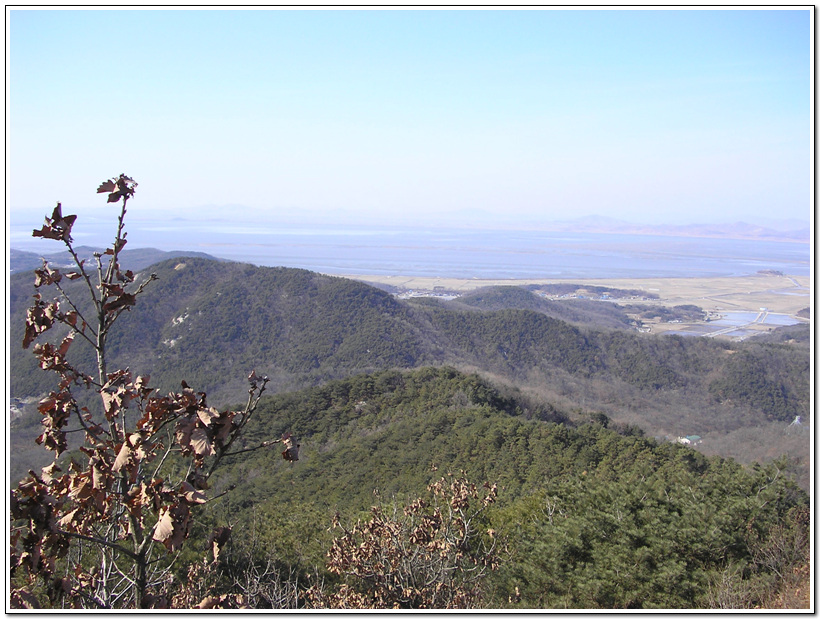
column 447, row 252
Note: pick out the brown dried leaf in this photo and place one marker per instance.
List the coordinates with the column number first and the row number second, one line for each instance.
column 46, row 276
column 107, row 187
column 98, row 475
column 80, row 488
column 114, row 401
column 124, row 457
column 184, row 429
column 23, row 598
column 57, row 227
column 65, row 344
column 68, row 520
column 291, row 453
column 126, row 277
column 172, row 526
column 49, row 472
column 119, row 187
column 223, row 428
column 47, row 232
column 207, row 415
column 123, row 300
column 201, row 442
column 191, row 494
column 39, row 318
column 165, row 526
column 217, row 540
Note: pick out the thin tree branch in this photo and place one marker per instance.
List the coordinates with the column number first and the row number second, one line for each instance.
column 101, row 541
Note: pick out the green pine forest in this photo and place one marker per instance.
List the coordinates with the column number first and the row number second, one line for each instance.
column 560, row 404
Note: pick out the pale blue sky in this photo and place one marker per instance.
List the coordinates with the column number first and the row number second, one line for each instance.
column 680, row 116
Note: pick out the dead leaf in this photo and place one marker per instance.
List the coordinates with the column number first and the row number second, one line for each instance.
column 172, row 526
column 48, row 472
column 107, row 187
column 191, row 494
column 184, row 429
column 123, row 457
column 201, row 442
column 120, row 187
column 67, row 520
column 207, row 415
column 57, row 227
column 217, row 540
column 291, row 453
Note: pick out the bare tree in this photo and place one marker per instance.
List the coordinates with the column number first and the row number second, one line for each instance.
column 239, row 577
column 429, row 555
column 100, row 527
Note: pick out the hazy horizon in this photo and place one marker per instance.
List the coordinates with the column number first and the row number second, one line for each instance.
column 417, row 117
column 464, row 219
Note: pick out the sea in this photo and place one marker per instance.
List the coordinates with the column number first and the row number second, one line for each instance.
column 445, row 252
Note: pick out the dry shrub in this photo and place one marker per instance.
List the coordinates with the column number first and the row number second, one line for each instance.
column 430, row 554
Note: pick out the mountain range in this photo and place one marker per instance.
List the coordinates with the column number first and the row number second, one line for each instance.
column 210, row 323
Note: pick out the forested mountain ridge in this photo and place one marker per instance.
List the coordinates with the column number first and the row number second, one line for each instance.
column 210, row 323
column 595, row 515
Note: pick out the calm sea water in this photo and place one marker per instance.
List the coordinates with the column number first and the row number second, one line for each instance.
column 449, row 252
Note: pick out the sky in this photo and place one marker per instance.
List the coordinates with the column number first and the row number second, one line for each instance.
column 416, row 116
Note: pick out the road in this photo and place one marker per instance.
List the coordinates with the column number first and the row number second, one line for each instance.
column 761, row 318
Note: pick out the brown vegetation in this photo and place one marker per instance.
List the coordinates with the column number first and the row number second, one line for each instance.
column 87, row 528
column 430, row 555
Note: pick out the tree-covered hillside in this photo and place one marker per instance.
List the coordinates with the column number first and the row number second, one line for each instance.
column 206, row 322
column 593, row 515
column 579, row 311
column 210, row 323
